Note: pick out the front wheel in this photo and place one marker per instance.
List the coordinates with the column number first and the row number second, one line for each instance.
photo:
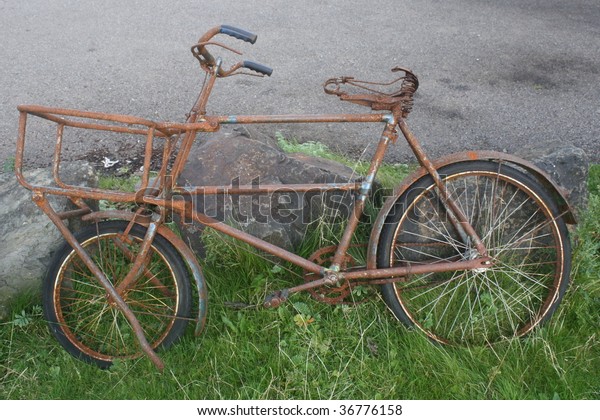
column 84, row 320
column 526, row 238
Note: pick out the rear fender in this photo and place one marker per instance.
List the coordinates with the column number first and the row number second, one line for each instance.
column 559, row 193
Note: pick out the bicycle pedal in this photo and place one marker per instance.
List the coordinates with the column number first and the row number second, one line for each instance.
column 276, row 298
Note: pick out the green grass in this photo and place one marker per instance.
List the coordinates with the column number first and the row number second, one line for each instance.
column 389, row 175
column 118, row 183
column 309, row 350
column 9, row 164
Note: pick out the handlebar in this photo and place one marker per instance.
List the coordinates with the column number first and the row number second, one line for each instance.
column 208, row 62
column 257, row 67
column 238, row 33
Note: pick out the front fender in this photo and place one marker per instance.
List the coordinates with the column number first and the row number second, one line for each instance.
column 190, row 258
column 559, row 193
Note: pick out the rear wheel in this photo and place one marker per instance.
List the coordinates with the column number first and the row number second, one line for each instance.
column 525, row 236
column 92, row 328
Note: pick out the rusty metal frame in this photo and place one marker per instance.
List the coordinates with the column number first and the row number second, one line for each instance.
column 167, row 196
column 173, row 202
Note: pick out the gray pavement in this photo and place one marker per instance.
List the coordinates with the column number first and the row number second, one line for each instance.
column 503, row 75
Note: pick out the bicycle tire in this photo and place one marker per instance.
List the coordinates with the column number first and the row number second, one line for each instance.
column 526, row 238
column 81, row 317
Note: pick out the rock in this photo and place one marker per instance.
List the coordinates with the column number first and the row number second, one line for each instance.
column 568, row 166
column 282, row 218
column 279, row 218
column 28, row 238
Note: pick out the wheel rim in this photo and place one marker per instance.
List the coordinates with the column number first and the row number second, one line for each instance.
column 93, row 324
column 481, row 306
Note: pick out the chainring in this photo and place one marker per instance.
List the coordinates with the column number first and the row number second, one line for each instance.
column 337, row 294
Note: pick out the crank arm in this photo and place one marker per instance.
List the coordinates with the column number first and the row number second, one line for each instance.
column 277, row 298
column 376, row 276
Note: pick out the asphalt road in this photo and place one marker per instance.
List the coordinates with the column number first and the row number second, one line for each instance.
column 504, row 75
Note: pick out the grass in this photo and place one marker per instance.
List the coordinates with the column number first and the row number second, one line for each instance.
column 9, row 164
column 388, row 175
column 119, row 183
column 309, row 350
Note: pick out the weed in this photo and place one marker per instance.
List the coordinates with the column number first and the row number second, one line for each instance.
column 23, row 319
column 118, row 183
column 9, row 164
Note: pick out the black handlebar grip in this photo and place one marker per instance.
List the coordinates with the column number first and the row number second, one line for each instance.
column 238, row 33
column 259, row 68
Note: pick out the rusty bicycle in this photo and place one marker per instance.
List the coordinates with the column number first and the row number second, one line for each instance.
column 471, row 249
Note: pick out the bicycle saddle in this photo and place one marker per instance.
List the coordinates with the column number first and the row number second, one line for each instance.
column 376, row 99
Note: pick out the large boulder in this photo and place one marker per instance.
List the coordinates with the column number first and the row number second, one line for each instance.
column 280, row 218
column 245, row 158
column 568, row 166
column 28, row 238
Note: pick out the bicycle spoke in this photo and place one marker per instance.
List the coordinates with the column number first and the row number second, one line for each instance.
column 503, row 300
column 96, row 326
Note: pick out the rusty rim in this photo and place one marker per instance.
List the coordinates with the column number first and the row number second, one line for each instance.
column 480, row 306
column 91, row 322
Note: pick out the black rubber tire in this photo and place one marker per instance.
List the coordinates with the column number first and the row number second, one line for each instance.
column 527, row 239
column 81, row 317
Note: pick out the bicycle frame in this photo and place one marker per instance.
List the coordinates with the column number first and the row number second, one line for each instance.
column 388, row 135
